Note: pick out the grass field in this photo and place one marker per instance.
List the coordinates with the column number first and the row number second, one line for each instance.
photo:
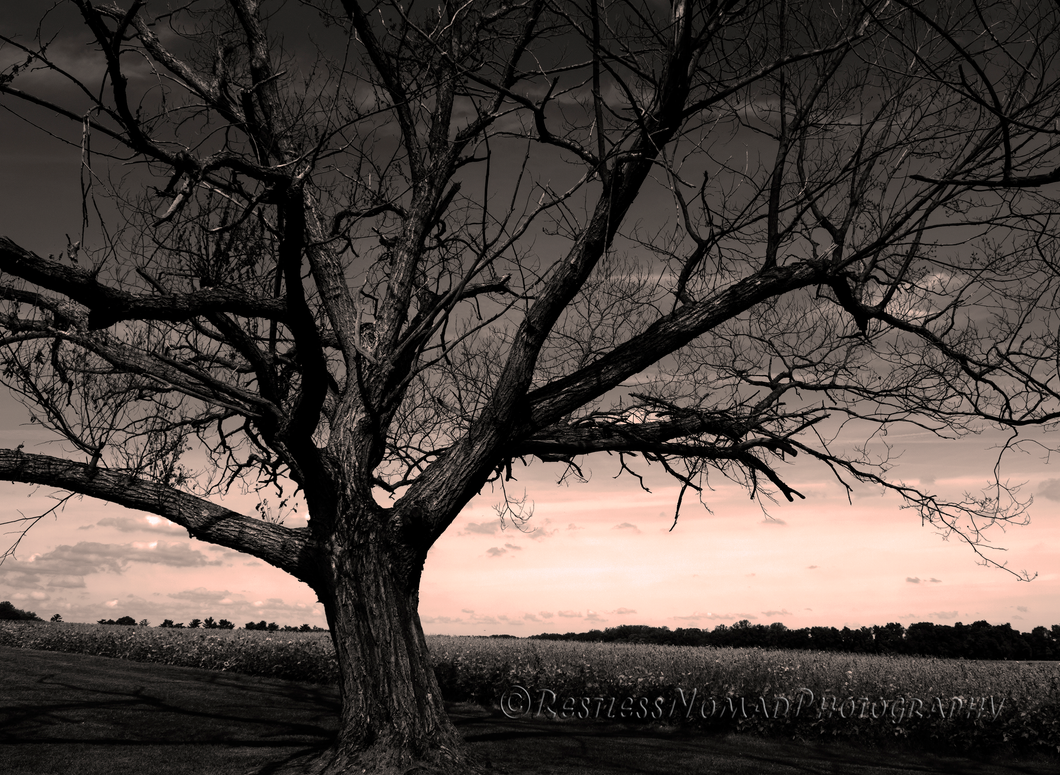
column 920, row 704
column 74, row 714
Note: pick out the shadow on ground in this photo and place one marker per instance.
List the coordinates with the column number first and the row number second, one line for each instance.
column 70, row 714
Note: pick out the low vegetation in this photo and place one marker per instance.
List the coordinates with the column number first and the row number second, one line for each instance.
column 795, row 694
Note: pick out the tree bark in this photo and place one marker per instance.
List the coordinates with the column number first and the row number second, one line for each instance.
column 393, row 718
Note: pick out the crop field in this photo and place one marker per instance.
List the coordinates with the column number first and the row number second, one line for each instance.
column 795, row 694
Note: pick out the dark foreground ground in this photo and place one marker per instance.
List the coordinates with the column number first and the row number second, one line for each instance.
column 69, row 714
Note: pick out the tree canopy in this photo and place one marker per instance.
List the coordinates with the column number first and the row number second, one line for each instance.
column 379, row 256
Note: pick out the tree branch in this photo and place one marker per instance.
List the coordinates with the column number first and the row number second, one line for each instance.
column 108, row 306
column 287, row 548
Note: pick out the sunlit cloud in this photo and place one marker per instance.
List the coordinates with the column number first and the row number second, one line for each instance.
column 140, row 524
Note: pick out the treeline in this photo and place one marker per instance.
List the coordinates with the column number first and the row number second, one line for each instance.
column 195, row 624
column 9, row 612
column 273, row 627
column 979, row 640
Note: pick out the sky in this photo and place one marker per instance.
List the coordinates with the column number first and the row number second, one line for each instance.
column 593, row 555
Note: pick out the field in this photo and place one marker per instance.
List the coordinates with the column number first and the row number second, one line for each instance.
column 920, row 703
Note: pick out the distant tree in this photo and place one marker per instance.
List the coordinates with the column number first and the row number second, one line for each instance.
column 347, row 249
column 209, row 623
column 124, row 621
column 8, row 611
column 194, row 624
column 224, row 624
column 57, row 618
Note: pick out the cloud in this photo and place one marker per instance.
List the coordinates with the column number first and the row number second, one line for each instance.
column 623, row 612
column 531, row 618
column 1050, row 489
column 781, row 612
column 441, row 620
column 545, row 614
column 812, row 567
column 66, row 582
column 142, row 524
column 88, row 557
column 497, row 551
column 570, row 614
column 934, row 580
column 772, row 521
column 943, row 615
column 482, row 528
column 1022, row 609
column 592, row 616
column 626, row 526
column 709, row 616
column 541, row 532
column 912, row 579
column 201, row 595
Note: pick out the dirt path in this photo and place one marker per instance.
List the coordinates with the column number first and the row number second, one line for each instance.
column 67, row 714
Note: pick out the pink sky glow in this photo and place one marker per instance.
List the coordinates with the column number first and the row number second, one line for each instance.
column 593, row 555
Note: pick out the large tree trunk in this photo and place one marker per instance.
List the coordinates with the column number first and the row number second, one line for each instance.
column 393, row 717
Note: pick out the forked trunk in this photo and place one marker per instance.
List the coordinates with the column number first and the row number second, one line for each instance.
column 393, row 717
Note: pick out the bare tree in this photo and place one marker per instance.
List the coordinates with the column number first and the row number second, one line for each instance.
column 381, row 255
